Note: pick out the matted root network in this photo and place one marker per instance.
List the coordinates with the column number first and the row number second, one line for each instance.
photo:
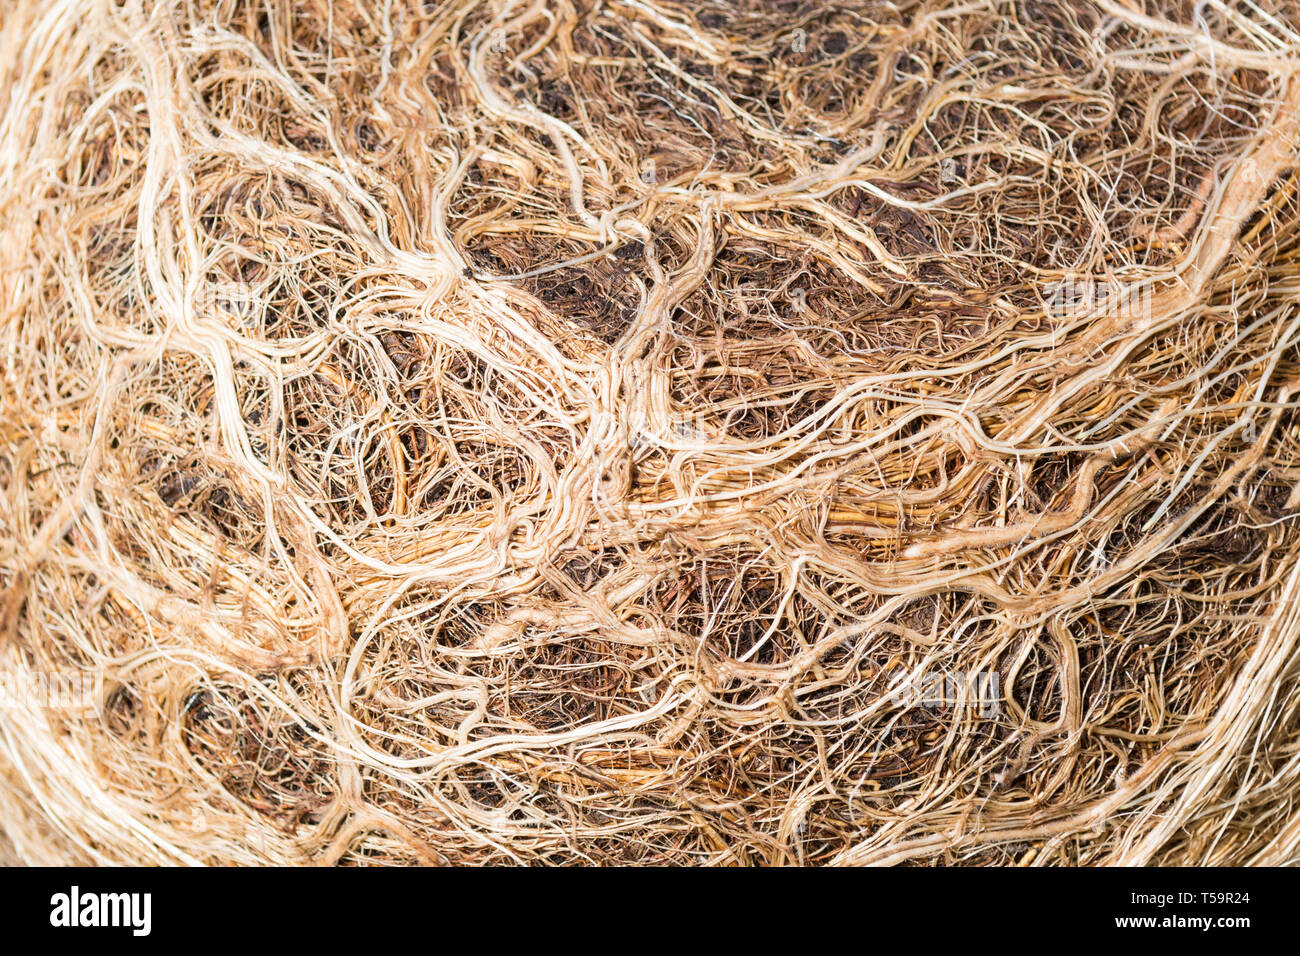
column 649, row 432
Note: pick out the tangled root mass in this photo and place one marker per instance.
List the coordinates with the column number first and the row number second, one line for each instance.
column 640, row 431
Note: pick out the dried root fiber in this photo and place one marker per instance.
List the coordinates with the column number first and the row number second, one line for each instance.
column 650, row 432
